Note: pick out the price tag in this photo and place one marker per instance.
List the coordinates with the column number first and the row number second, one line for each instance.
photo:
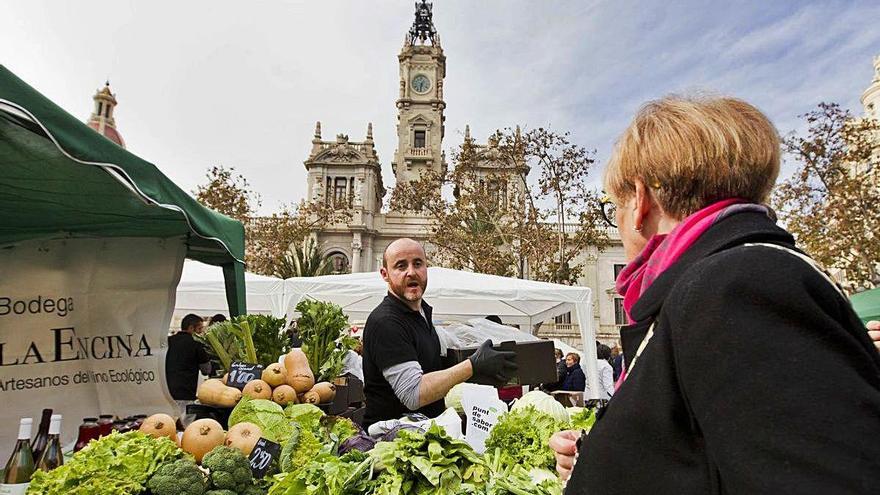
column 242, row 373
column 262, row 455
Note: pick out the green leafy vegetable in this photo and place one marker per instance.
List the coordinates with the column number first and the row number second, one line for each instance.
column 257, row 339
column 583, row 419
column 117, row 464
column 524, row 435
column 323, row 328
column 299, row 449
column 509, row 478
column 270, row 337
column 266, row 414
column 429, row 462
column 327, row 475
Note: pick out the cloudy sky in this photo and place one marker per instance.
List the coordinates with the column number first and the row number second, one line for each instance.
column 241, row 84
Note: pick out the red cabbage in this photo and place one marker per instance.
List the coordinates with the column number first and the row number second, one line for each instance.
column 360, row 442
column 392, row 433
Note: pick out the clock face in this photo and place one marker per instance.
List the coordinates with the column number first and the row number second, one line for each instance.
column 421, row 83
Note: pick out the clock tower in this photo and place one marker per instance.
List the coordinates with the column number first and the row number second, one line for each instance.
column 420, row 105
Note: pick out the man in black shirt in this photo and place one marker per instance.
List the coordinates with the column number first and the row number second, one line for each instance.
column 402, row 368
column 184, row 360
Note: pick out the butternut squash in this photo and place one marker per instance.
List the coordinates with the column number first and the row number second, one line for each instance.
column 311, row 397
column 284, row 395
column 274, row 375
column 213, row 393
column 326, row 391
column 257, row 389
column 201, row 436
column 299, row 375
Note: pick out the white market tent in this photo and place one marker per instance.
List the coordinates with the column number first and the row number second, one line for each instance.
column 455, row 296
column 201, row 291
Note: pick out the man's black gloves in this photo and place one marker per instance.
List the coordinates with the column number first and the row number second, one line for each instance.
column 493, row 366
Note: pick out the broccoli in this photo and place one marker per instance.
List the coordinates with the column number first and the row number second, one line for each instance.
column 230, row 469
column 181, row 477
column 254, row 490
column 221, row 492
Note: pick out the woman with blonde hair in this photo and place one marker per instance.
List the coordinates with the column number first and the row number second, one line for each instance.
column 746, row 369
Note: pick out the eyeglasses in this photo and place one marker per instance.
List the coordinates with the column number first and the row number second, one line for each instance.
column 608, row 210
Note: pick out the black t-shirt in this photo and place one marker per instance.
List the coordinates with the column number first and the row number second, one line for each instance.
column 182, row 365
column 395, row 334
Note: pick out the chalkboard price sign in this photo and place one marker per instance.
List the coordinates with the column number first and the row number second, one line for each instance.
column 262, row 455
column 242, row 373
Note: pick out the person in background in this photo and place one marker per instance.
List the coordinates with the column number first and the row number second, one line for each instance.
column 219, row 317
column 574, row 379
column 560, row 372
column 746, row 369
column 616, row 362
column 353, row 363
column 606, row 373
column 185, row 358
column 293, row 334
column 403, row 370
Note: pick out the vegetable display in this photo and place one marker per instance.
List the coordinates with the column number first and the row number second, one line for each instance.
column 119, row 463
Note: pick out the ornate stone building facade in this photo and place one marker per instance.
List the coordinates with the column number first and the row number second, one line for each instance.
column 348, row 173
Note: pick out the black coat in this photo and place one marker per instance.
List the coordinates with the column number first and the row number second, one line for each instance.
column 759, row 378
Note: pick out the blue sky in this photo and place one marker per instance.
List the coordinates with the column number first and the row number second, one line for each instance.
column 242, row 84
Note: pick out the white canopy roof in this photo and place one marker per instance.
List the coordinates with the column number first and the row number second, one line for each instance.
column 454, row 295
column 202, row 291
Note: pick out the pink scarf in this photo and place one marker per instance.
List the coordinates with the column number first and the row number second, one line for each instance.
column 661, row 252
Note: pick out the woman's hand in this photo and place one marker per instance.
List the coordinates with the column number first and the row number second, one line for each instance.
column 874, row 332
column 564, row 444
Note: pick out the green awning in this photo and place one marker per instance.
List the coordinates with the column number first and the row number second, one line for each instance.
column 61, row 179
column 867, row 304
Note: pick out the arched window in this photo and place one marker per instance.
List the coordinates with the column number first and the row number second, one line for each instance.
column 339, row 262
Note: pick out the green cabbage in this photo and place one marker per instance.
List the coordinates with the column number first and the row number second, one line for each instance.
column 266, row 414
column 453, row 398
column 543, row 403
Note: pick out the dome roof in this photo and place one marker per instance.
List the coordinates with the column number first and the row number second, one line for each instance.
column 108, row 132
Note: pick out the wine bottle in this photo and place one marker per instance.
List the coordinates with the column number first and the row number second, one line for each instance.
column 20, row 466
column 39, row 442
column 52, row 456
